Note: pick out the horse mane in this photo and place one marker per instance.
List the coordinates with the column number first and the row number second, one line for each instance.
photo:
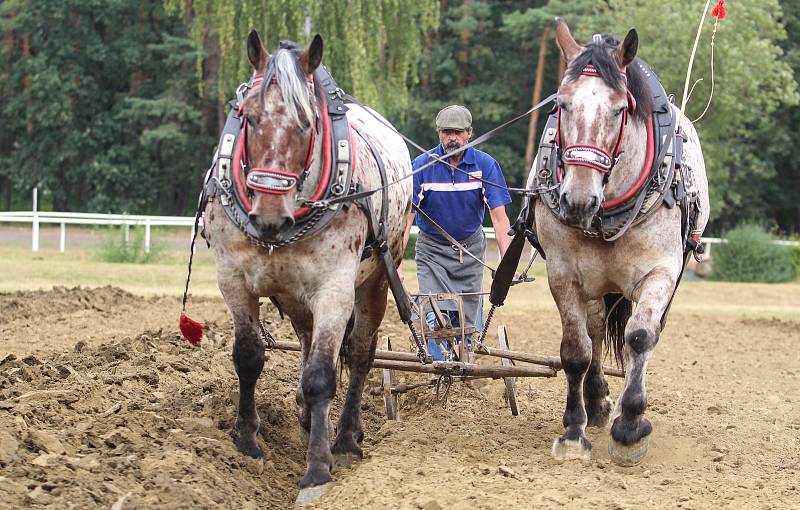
column 284, row 68
column 600, row 55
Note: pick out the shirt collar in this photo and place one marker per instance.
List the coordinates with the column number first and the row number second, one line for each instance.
column 469, row 154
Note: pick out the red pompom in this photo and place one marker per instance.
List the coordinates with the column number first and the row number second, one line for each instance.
column 719, row 10
column 191, row 330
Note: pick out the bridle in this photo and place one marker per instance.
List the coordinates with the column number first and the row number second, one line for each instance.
column 589, row 155
column 275, row 180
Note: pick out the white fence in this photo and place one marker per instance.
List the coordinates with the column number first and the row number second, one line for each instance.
column 36, row 218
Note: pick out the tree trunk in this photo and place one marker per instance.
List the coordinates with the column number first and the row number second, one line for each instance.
column 537, row 96
column 26, row 80
column 463, row 54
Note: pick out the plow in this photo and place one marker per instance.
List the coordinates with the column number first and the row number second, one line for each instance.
column 465, row 348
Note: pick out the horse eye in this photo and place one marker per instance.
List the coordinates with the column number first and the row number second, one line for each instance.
column 562, row 105
column 619, row 112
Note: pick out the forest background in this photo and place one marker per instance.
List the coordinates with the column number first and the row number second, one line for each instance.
column 116, row 105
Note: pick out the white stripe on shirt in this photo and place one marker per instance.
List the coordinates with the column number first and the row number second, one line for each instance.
column 449, row 186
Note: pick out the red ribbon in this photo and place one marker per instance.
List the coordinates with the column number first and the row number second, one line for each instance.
column 719, row 10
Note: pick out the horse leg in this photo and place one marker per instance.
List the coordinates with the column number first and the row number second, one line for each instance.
column 595, row 388
column 248, row 360
column 370, row 307
column 576, row 356
column 302, row 324
column 630, row 431
column 318, row 382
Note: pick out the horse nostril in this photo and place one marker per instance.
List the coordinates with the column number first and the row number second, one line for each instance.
column 288, row 222
column 593, row 203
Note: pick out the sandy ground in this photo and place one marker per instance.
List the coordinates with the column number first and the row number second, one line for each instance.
column 103, row 406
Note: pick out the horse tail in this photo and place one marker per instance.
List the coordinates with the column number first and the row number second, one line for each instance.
column 618, row 311
column 345, row 348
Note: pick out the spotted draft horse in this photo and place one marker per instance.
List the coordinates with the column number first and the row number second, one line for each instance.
column 318, row 281
column 614, row 223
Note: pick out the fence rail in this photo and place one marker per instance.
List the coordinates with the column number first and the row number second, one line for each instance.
column 36, row 218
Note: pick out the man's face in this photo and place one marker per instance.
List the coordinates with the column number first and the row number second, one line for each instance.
column 453, row 139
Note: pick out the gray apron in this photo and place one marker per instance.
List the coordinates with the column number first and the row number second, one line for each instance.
column 441, row 269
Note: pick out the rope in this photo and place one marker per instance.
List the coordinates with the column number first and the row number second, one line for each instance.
column 435, row 158
column 191, row 257
column 711, row 95
column 691, row 60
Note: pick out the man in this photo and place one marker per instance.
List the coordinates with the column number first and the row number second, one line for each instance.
column 454, row 197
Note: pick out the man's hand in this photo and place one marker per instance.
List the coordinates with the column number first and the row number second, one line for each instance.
column 400, row 273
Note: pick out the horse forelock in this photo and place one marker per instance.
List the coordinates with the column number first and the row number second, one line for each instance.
column 284, row 68
column 601, row 56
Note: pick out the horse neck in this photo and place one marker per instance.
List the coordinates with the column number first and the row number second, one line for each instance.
column 629, row 166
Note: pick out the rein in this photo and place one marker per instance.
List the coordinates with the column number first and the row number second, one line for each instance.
column 435, row 158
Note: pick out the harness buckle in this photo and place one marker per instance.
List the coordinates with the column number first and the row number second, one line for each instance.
column 240, row 92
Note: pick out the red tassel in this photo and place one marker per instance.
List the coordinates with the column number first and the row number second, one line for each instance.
column 719, row 10
column 191, row 330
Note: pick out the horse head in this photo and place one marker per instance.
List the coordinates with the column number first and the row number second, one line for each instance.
column 596, row 99
column 282, row 127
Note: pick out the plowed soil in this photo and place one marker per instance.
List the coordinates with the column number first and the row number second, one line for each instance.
column 102, row 405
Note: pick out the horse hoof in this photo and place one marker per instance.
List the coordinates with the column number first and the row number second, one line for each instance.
column 311, row 495
column 347, row 459
column 571, row 449
column 629, row 455
column 249, row 448
column 599, row 415
column 317, row 474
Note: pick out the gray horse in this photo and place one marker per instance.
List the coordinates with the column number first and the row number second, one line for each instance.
column 321, row 282
column 603, row 125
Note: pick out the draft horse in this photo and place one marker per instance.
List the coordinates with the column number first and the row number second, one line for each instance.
column 267, row 239
column 624, row 202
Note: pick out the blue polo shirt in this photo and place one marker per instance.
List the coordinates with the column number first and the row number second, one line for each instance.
column 455, row 200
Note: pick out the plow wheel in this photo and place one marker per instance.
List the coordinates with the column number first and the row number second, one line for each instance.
column 390, row 400
column 511, row 382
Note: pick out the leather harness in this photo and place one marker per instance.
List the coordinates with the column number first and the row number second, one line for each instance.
column 229, row 176
column 661, row 180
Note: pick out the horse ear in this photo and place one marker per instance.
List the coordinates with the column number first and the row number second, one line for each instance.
column 566, row 43
column 626, row 51
column 311, row 58
column 255, row 51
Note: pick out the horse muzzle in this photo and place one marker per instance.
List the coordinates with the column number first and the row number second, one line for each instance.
column 271, row 228
column 579, row 212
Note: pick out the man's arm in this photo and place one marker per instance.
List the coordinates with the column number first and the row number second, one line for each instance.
column 406, row 234
column 501, row 227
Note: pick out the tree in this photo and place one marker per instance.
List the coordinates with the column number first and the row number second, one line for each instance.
column 752, row 82
column 372, row 47
column 100, row 119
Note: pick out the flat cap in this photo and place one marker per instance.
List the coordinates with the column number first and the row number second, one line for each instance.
column 453, row 117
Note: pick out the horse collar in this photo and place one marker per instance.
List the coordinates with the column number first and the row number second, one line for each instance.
column 662, row 161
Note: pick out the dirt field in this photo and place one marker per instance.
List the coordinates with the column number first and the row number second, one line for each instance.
column 103, row 406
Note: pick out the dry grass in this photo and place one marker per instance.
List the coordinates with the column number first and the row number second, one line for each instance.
column 20, row 269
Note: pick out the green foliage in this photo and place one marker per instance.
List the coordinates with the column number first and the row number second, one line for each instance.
column 371, row 46
column 100, row 104
column 748, row 91
column 115, row 248
column 751, row 256
column 794, row 252
column 411, row 247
